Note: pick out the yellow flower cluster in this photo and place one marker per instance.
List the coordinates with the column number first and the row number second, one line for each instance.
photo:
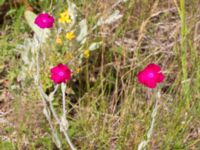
column 86, row 53
column 64, row 17
column 70, row 35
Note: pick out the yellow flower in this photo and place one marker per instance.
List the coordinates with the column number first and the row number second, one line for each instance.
column 86, row 53
column 77, row 71
column 58, row 40
column 64, row 17
column 64, row 14
column 70, row 35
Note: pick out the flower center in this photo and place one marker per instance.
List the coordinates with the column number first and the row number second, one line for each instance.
column 61, row 73
column 150, row 75
column 44, row 20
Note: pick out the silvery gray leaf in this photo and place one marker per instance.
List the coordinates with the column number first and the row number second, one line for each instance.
column 110, row 19
column 94, row 46
column 83, row 31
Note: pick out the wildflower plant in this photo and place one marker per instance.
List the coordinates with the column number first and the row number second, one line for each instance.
column 150, row 77
column 72, row 35
column 59, row 75
column 81, row 66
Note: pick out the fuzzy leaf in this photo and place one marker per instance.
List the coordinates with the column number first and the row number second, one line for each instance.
column 72, row 11
column 94, row 46
column 112, row 18
column 83, row 31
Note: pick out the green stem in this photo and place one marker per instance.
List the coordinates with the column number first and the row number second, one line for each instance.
column 183, row 40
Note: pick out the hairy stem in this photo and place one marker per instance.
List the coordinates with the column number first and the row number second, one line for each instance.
column 63, row 88
column 64, row 122
column 45, row 99
column 143, row 144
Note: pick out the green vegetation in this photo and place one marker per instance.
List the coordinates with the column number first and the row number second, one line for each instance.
column 107, row 107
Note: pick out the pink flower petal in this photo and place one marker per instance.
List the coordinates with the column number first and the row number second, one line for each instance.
column 153, row 67
column 54, row 70
column 67, row 76
column 141, row 77
column 160, row 77
column 64, row 68
column 56, row 79
column 151, row 84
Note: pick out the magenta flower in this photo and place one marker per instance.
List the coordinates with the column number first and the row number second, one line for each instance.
column 44, row 20
column 60, row 74
column 151, row 75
